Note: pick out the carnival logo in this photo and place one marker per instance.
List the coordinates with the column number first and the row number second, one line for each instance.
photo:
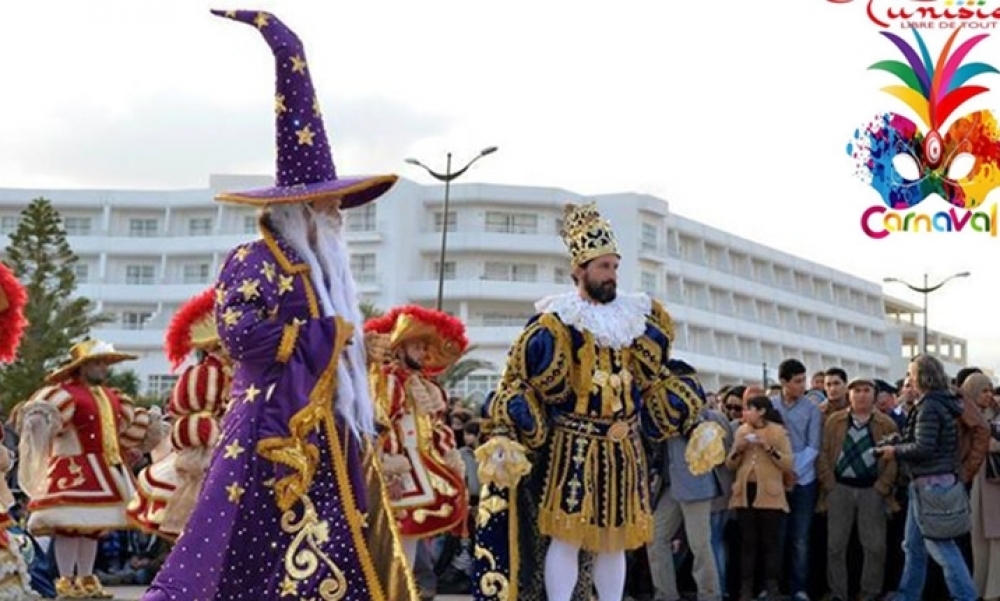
column 931, row 14
column 906, row 163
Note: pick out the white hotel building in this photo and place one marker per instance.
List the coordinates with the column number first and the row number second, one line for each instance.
column 737, row 304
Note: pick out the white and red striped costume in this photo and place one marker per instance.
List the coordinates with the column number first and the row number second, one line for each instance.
column 166, row 490
column 86, row 481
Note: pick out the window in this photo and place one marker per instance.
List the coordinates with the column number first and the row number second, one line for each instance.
column 363, row 219
column 504, row 320
column 200, row 226
column 250, row 224
column 449, row 270
column 650, row 237
column 135, row 320
column 675, row 288
column 363, row 267
column 82, row 272
column 160, row 385
column 649, row 283
column 9, row 223
column 143, row 228
column 511, row 223
column 196, row 273
column 477, row 383
column 452, row 221
column 510, row 272
column 561, row 275
column 143, row 275
column 77, row 226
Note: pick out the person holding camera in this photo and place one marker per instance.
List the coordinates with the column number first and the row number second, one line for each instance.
column 760, row 456
column 938, row 510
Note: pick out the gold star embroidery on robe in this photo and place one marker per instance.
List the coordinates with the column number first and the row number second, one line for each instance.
column 316, row 110
column 231, row 316
column 305, row 135
column 285, row 284
column 251, row 393
column 279, row 104
column 298, row 64
column 261, row 21
column 250, row 289
column 242, row 253
column 234, row 450
column 231, row 14
column 220, row 295
column 235, row 491
column 267, row 270
column 289, row 588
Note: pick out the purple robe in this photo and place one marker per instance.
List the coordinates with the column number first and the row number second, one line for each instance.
column 285, row 510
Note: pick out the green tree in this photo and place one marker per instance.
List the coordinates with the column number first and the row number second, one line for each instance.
column 42, row 259
column 461, row 369
column 369, row 310
column 126, row 380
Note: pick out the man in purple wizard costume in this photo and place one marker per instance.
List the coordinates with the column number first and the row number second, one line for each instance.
column 292, row 506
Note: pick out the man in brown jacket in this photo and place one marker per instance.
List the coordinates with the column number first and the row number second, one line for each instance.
column 973, row 440
column 856, row 486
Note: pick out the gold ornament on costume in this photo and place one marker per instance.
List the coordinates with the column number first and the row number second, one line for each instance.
column 705, row 448
column 587, row 234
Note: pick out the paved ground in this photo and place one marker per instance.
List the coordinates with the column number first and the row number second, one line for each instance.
column 131, row 593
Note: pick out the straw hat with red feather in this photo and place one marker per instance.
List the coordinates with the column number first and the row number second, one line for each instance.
column 13, row 298
column 444, row 334
column 192, row 328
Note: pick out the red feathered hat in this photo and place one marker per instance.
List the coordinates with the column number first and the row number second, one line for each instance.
column 445, row 335
column 193, row 327
column 13, row 297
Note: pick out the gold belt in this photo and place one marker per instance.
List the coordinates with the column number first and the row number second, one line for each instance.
column 612, row 429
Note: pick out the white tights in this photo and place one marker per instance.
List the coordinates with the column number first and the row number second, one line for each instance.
column 75, row 555
column 562, row 570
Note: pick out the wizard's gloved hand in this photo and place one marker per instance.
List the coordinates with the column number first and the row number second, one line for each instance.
column 502, row 462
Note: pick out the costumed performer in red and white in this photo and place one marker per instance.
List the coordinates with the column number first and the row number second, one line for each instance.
column 76, row 433
column 424, row 470
column 166, row 490
column 15, row 582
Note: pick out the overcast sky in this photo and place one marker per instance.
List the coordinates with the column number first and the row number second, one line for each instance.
column 738, row 113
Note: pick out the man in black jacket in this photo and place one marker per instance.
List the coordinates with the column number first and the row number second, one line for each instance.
column 928, row 454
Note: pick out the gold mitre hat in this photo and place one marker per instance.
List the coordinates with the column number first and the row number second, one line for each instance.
column 587, row 234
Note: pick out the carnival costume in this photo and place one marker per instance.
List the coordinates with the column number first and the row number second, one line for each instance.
column 15, row 581
column 421, row 458
column 293, row 505
column 584, row 382
column 166, row 490
column 74, row 437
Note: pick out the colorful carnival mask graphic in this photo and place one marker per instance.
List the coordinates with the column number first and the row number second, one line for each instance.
column 934, row 91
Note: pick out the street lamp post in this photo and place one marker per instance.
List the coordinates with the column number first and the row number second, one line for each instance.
column 926, row 290
column 447, row 178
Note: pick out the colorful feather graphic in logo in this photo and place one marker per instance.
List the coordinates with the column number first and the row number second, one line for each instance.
column 934, row 91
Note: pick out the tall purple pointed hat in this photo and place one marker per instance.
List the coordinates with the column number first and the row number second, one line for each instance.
column 305, row 169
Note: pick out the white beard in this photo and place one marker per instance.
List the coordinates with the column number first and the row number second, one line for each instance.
column 329, row 261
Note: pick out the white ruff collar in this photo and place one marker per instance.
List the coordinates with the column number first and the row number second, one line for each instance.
column 615, row 325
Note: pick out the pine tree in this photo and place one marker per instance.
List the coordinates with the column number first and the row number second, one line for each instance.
column 42, row 259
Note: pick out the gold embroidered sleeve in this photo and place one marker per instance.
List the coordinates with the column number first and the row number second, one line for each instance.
column 537, row 373
column 652, row 350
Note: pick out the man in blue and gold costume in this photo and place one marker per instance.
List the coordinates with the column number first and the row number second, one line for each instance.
column 566, row 486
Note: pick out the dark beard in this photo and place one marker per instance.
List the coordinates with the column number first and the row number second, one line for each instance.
column 603, row 293
column 414, row 365
column 98, row 381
